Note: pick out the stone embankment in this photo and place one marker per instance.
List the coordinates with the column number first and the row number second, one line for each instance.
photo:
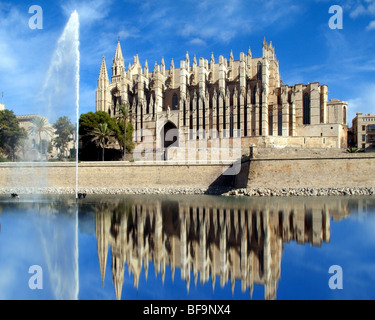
column 244, row 192
column 264, row 172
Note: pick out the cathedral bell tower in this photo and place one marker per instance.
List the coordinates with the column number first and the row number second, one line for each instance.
column 118, row 75
column 118, row 64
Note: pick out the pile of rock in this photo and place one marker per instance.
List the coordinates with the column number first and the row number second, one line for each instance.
column 289, row 192
column 128, row 190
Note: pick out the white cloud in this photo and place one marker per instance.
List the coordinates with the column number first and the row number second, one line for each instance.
column 89, row 11
column 371, row 26
column 222, row 21
column 7, row 58
column 197, row 42
column 360, row 8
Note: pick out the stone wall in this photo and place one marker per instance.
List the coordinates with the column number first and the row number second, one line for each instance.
column 118, row 177
column 111, row 175
column 311, row 172
column 292, row 142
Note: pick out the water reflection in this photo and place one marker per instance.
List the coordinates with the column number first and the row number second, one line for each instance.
column 44, row 233
column 211, row 238
column 214, row 241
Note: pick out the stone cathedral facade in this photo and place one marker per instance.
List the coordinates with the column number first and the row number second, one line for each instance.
column 228, row 98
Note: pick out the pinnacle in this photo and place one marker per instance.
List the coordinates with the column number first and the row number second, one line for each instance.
column 118, row 54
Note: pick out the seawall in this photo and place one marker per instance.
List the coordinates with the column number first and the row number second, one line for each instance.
column 112, row 177
column 258, row 176
column 311, row 172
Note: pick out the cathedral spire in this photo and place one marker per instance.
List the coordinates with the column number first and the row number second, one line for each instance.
column 146, row 68
column 118, row 54
column 118, row 61
column 162, row 65
column 187, row 60
column 103, row 73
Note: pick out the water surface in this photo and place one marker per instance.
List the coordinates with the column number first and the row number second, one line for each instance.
column 190, row 247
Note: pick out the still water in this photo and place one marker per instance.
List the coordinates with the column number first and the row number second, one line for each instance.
column 191, row 247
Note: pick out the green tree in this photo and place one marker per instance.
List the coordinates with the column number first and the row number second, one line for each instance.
column 64, row 131
column 89, row 122
column 102, row 135
column 11, row 134
column 41, row 128
column 125, row 140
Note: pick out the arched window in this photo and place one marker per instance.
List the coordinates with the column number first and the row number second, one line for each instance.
column 231, row 124
column 184, row 113
column 169, row 135
column 259, row 71
column 280, row 123
column 344, row 115
column 147, row 103
column 253, row 96
column 306, row 109
column 191, row 80
column 174, row 102
column 270, row 123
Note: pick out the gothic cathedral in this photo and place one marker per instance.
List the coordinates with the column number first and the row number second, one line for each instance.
column 229, row 98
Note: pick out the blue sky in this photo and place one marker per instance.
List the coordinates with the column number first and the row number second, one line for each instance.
column 307, row 49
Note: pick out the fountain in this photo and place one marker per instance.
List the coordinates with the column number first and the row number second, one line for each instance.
column 58, row 85
column 60, row 248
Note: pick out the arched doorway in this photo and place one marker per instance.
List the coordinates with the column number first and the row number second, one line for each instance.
column 169, row 135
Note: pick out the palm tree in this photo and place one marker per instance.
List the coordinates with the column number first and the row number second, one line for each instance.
column 125, row 114
column 102, row 136
column 40, row 126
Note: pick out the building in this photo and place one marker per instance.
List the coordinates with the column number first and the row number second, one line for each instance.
column 209, row 99
column 2, row 107
column 364, row 131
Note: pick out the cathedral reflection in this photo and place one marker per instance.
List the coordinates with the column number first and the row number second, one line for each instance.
column 212, row 239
